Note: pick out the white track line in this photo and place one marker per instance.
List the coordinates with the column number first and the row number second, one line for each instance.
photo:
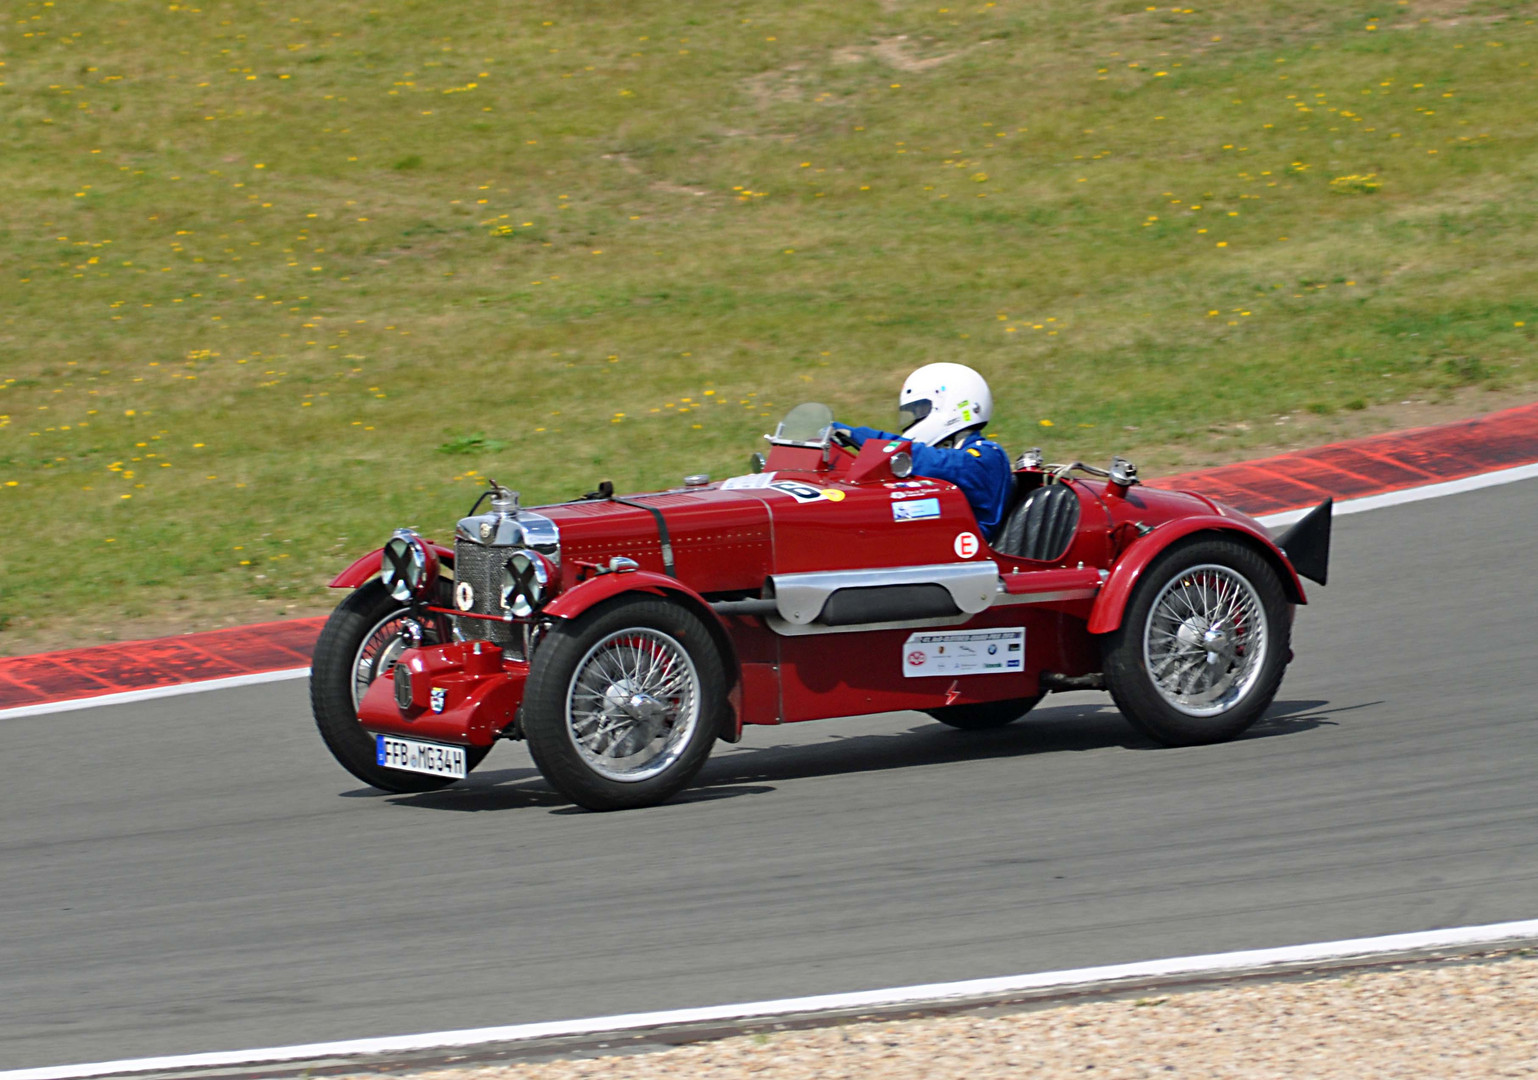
column 1248, row 960
column 1414, row 494
column 154, row 692
column 1349, row 506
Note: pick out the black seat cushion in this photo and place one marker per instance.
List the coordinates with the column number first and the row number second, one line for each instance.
column 1042, row 525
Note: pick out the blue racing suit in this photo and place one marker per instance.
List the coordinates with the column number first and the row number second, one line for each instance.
column 978, row 466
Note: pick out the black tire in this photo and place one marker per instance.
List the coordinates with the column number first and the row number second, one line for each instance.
column 577, row 693
column 984, row 716
column 364, row 613
column 1189, row 576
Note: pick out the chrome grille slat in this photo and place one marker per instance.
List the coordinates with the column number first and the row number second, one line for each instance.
column 481, row 567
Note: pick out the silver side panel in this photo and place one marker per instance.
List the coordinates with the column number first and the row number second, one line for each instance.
column 800, row 597
column 788, row 629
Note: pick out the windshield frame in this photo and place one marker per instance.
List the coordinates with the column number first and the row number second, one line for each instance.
column 822, row 440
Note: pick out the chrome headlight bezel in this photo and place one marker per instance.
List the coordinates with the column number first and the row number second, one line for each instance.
column 528, row 581
column 408, row 567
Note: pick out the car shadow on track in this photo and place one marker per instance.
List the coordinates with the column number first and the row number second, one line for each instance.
column 752, row 770
column 1066, row 729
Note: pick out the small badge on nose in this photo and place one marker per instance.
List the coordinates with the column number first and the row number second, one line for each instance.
column 437, row 698
column 464, row 596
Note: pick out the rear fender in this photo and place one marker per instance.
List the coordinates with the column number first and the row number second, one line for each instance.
column 596, row 590
column 367, row 568
column 1111, row 604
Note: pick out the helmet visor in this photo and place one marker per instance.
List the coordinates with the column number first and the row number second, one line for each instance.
column 911, row 412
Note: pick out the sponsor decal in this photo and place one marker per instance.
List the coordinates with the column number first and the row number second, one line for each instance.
column 964, row 652
column 807, row 492
column 438, row 696
column 912, row 489
column 748, row 482
column 966, row 544
column 464, row 596
column 916, row 509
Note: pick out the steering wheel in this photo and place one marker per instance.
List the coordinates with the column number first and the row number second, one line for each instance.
column 840, row 437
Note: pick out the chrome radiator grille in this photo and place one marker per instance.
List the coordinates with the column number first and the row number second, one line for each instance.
column 481, row 567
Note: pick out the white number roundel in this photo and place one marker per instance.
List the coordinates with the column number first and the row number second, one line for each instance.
column 464, row 596
column 966, row 544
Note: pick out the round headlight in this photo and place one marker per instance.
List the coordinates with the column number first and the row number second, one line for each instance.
column 406, row 566
column 525, row 583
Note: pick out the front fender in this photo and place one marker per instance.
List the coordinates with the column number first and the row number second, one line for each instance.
column 1111, row 604
column 596, row 590
column 367, row 567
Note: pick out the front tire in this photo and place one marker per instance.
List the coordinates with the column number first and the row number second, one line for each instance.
column 624, row 703
column 1202, row 646
column 984, row 716
column 360, row 643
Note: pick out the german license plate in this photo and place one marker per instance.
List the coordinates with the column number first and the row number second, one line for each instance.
column 420, row 757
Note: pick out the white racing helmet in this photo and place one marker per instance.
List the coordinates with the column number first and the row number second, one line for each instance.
column 939, row 400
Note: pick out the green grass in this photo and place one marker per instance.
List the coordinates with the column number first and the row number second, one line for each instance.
column 278, row 278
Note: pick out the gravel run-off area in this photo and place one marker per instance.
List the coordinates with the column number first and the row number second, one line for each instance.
column 1438, row 1020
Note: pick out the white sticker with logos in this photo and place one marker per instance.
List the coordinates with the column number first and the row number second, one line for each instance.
column 913, row 489
column 748, row 482
column 999, row 651
column 915, row 509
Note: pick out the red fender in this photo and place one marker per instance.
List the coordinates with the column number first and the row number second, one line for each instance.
column 596, row 590
column 367, row 568
column 1106, row 615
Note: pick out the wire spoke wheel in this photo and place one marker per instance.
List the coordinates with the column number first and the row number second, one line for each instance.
column 380, row 649
column 633, row 703
column 359, row 645
column 1204, row 641
column 624, row 702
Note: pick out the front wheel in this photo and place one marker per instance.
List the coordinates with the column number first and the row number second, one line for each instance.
column 1202, row 646
column 360, row 643
column 624, row 703
column 984, row 716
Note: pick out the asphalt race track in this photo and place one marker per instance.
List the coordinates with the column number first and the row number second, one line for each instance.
column 195, row 873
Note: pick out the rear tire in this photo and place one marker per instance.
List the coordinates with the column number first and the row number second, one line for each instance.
column 984, row 716
column 624, row 703
column 1202, row 646
column 358, row 645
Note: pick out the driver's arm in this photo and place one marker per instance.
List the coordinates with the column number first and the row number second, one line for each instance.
column 859, row 435
column 980, row 468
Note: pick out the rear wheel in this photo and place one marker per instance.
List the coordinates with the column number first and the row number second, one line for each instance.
column 360, row 643
column 1202, row 646
column 624, row 703
column 984, row 716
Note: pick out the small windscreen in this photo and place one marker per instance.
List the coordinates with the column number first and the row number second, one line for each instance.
column 806, row 423
column 912, row 412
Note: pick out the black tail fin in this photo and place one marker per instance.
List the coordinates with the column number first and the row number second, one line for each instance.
column 1307, row 544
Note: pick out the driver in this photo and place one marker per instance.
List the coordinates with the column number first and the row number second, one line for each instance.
column 943, row 409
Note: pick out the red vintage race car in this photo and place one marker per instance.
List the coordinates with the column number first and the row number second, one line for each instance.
column 622, row 636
